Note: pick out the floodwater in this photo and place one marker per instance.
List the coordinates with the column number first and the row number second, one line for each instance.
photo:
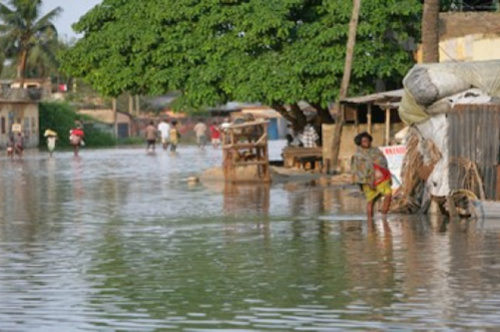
column 117, row 240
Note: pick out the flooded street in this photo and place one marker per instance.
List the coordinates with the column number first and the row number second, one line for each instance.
column 118, row 240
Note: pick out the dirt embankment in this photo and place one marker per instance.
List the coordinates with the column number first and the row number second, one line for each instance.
column 278, row 175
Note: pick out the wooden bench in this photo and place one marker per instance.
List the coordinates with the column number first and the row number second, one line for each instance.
column 298, row 157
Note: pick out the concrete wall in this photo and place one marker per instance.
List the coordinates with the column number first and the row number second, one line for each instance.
column 470, row 48
column 468, row 36
column 22, row 113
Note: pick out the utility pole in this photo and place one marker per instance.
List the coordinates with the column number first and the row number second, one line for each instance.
column 344, row 86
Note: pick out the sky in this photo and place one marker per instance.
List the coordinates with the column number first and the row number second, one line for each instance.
column 72, row 11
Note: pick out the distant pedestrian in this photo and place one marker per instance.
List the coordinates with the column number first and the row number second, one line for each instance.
column 10, row 147
column 76, row 136
column 225, row 124
column 19, row 144
column 309, row 136
column 370, row 170
column 164, row 129
column 215, row 134
column 200, row 130
column 174, row 137
column 51, row 140
column 151, row 134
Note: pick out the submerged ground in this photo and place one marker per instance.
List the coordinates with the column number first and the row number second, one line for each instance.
column 118, row 240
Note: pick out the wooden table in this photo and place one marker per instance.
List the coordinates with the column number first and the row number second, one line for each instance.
column 292, row 156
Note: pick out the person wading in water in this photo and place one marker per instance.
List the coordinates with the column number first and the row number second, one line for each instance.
column 76, row 138
column 370, row 170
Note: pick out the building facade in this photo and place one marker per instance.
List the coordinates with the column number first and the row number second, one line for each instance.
column 19, row 114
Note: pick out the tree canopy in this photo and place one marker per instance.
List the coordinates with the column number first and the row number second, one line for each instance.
column 277, row 52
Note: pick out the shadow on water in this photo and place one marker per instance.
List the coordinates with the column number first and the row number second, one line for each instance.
column 118, row 240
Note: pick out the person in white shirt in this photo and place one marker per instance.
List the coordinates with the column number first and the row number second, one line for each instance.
column 164, row 129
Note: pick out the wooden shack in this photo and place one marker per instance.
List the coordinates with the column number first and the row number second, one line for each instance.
column 245, row 151
column 376, row 114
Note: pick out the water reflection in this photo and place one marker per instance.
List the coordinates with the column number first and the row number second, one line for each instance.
column 246, row 198
column 118, row 240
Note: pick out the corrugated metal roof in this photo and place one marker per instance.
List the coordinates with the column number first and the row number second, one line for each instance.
column 376, row 97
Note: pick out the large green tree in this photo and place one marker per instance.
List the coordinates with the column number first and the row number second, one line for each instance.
column 277, row 52
column 23, row 29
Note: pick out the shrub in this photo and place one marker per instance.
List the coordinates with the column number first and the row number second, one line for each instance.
column 61, row 117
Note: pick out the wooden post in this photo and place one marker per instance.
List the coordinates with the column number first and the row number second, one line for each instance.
column 369, row 118
column 115, row 118
column 130, row 104
column 344, row 85
column 497, row 197
column 137, row 105
column 387, row 125
column 356, row 119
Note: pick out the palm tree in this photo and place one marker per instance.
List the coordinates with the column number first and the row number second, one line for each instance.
column 430, row 31
column 43, row 58
column 22, row 30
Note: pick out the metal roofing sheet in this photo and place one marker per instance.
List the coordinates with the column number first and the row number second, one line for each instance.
column 375, row 97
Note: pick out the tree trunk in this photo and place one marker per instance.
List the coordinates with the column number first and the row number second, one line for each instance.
column 323, row 113
column 351, row 42
column 298, row 122
column 115, row 118
column 430, row 31
column 300, row 117
column 21, row 68
column 137, row 105
column 130, row 104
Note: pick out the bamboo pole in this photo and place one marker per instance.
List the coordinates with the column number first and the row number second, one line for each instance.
column 351, row 42
column 356, row 120
column 369, row 118
column 387, row 125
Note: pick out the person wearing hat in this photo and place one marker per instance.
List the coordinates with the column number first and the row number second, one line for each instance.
column 370, row 170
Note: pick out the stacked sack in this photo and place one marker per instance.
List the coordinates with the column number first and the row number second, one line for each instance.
column 432, row 89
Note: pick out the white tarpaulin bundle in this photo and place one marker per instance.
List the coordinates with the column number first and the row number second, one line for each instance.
column 431, row 91
column 427, row 85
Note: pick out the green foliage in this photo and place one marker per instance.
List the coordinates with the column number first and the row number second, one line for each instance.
column 23, row 30
column 97, row 138
column 61, row 117
column 133, row 140
column 270, row 51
